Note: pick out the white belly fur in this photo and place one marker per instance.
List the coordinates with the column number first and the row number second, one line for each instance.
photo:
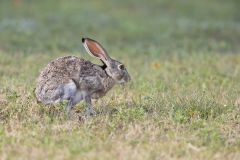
column 80, row 95
column 70, row 91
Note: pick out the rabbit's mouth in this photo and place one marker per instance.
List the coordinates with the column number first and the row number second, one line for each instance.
column 121, row 81
column 124, row 79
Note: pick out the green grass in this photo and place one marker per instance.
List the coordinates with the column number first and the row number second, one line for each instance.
column 184, row 98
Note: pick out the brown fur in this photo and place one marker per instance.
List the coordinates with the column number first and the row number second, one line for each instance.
column 60, row 71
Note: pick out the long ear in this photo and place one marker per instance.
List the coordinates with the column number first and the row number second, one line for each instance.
column 95, row 49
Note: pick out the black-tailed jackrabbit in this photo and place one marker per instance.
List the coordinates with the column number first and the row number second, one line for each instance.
column 74, row 79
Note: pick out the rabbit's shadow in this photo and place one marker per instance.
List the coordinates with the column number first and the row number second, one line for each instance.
column 114, row 109
column 58, row 111
column 107, row 109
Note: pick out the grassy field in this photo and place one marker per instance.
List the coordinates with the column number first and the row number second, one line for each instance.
column 184, row 98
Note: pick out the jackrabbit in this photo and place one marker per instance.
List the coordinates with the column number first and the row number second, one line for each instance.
column 74, row 79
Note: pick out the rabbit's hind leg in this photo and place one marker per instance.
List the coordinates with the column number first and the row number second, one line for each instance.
column 69, row 105
column 70, row 90
column 88, row 107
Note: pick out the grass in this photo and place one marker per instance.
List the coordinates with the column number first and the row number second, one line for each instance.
column 184, row 98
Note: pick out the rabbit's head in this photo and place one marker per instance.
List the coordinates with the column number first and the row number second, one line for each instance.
column 114, row 69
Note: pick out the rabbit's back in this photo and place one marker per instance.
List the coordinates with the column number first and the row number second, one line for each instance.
column 60, row 75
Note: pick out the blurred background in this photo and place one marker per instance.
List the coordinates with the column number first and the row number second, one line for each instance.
column 132, row 27
column 184, row 97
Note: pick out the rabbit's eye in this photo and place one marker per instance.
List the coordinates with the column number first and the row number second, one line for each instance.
column 121, row 66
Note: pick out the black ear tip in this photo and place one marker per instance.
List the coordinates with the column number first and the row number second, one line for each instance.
column 83, row 40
